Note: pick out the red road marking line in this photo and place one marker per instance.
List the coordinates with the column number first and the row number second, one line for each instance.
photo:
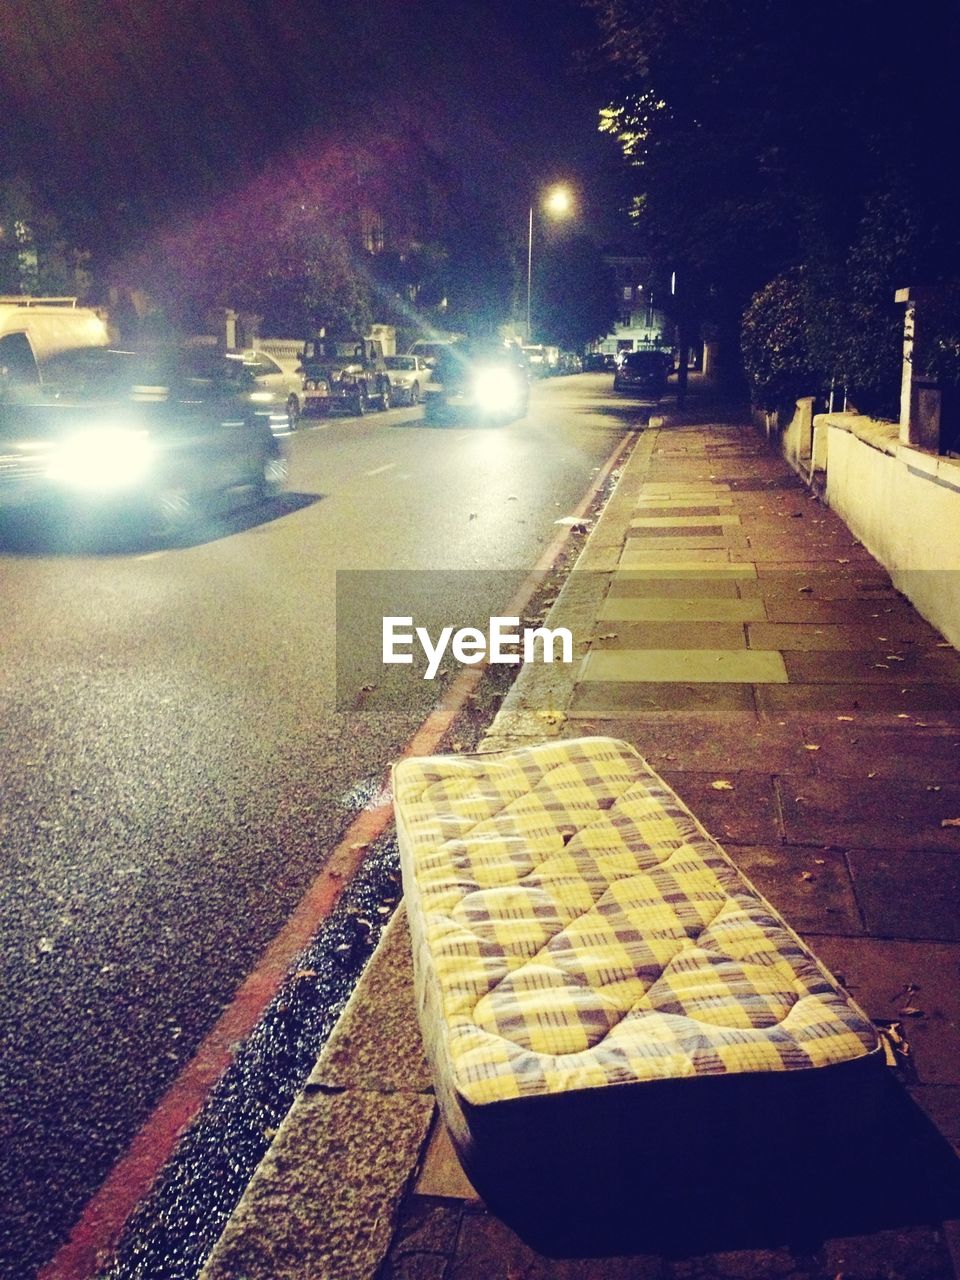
column 92, row 1240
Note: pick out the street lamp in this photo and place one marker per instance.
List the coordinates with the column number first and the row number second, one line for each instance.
column 557, row 201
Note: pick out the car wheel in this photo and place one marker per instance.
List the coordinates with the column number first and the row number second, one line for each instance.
column 415, row 393
column 273, row 475
column 359, row 405
column 385, row 396
column 174, row 513
column 293, row 413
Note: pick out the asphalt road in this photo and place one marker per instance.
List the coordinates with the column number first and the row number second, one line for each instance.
column 181, row 748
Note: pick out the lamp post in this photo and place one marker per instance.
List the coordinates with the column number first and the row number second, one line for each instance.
column 557, row 201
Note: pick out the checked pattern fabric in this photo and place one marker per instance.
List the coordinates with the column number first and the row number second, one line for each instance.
column 578, row 928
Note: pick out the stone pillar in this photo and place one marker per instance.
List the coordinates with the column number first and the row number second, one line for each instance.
column 229, row 329
column 919, row 392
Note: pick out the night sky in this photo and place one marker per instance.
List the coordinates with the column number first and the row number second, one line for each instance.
column 131, row 114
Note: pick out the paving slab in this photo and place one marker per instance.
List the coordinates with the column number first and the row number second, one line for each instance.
column 908, row 751
column 441, row 1175
column 612, row 700
column 743, row 810
column 870, row 813
column 643, row 552
column 688, row 607
column 669, row 564
column 889, row 978
column 920, row 704
column 903, row 665
column 810, row 887
column 669, row 635
column 728, row 666
column 677, row 521
column 812, row 636
column 424, row 1242
column 623, row 583
column 747, row 745
column 908, row 895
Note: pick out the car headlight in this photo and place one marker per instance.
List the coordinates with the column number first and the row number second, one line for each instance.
column 105, row 458
column 496, row 389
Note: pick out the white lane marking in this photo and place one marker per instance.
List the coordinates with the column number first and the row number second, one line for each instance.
column 379, row 470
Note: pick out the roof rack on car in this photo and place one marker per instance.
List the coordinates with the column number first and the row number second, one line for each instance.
column 27, row 300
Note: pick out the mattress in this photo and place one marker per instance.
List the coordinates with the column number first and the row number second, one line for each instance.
column 592, row 970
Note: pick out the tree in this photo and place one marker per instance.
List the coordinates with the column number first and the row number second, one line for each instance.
column 35, row 255
column 766, row 136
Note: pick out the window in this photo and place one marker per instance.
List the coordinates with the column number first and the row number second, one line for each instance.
column 18, row 366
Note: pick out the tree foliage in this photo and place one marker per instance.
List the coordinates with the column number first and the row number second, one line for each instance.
column 35, row 254
column 766, row 136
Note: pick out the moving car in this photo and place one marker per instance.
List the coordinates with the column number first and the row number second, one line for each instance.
column 478, row 382
column 643, row 373
column 430, row 350
column 126, row 436
column 408, row 374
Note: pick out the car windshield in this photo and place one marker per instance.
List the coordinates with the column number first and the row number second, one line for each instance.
column 400, row 362
column 99, row 373
column 335, row 349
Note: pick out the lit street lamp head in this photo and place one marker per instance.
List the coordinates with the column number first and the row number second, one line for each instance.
column 558, row 201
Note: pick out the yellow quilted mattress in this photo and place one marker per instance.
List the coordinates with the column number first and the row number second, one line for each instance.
column 574, row 928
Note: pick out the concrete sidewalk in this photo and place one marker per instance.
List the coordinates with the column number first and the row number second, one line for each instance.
column 758, row 657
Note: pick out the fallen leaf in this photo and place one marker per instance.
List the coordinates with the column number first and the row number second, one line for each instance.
column 911, row 1012
column 806, row 875
column 950, row 822
column 367, row 688
column 473, row 516
column 721, row 784
column 845, row 717
column 811, row 746
column 45, row 946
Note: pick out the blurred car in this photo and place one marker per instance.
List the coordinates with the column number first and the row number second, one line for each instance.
column 430, row 350
column 478, row 382
column 142, row 437
column 643, row 373
column 408, row 376
column 274, row 386
column 569, row 362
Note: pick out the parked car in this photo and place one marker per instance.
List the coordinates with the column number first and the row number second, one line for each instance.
column 273, row 387
column 347, row 373
column 148, row 437
column 478, row 382
column 408, row 376
column 643, row 373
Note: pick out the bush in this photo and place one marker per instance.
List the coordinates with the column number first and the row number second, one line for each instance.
column 774, row 345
